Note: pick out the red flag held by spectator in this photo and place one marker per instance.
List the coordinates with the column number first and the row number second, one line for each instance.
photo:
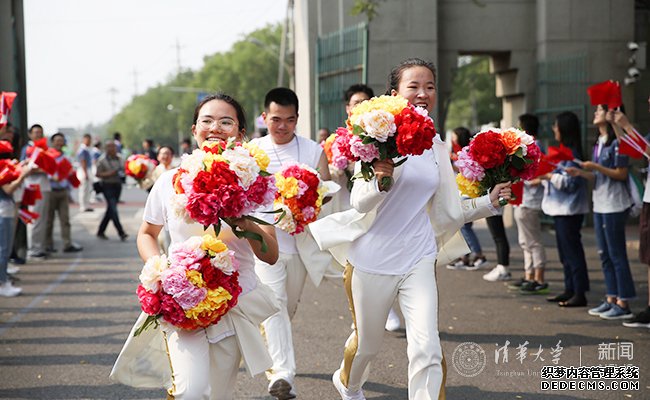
column 31, row 194
column 633, row 145
column 9, row 172
column 6, row 101
column 555, row 154
column 74, row 181
column 517, row 193
column 38, row 144
column 608, row 92
column 6, row 147
column 27, row 216
column 43, row 160
column 63, row 169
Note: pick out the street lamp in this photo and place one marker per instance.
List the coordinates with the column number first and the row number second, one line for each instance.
column 275, row 52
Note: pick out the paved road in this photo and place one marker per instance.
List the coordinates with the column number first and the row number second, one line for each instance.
column 60, row 338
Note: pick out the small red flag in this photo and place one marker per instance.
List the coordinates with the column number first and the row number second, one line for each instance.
column 6, row 101
column 608, row 92
column 517, row 193
column 633, row 145
column 63, row 169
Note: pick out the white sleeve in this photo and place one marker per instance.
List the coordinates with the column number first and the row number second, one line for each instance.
column 155, row 208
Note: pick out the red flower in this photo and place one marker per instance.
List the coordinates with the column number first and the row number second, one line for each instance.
column 414, row 132
column 204, row 208
column 488, row 150
column 530, row 170
column 149, row 302
column 171, row 311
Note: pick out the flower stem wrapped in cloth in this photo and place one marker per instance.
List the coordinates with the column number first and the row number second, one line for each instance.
column 222, row 182
column 191, row 289
column 496, row 156
column 388, row 127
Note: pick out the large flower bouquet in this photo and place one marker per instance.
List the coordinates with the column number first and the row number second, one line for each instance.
column 223, row 181
column 495, row 156
column 192, row 288
column 386, row 127
column 299, row 196
column 139, row 166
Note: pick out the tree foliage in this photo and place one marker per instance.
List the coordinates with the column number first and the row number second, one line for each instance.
column 473, row 101
column 247, row 71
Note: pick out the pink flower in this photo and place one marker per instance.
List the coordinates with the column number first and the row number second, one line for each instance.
column 469, row 168
column 308, row 212
column 365, row 152
column 302, row 188
column 187, row 254
column 174, row 280
column 190, row 296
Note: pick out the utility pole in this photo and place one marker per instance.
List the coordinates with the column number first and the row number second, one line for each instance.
column 178, row 56
column 135, row 82
column 112, row 91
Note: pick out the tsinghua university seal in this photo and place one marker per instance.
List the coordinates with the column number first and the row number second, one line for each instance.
column 468, row 359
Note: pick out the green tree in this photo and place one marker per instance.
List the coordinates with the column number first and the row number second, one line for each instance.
column 247, row 71
column 473, row 101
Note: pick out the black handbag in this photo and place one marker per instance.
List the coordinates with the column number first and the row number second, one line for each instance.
column 98, row 187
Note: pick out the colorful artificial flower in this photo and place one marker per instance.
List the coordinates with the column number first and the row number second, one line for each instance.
column 300, row 196
column 192, row 288
column 222, row 181
column 381, row 128
column 496, row 156
column 139, row 166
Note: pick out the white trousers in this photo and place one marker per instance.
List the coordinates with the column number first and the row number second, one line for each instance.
column 286, row 278
column 37, row 231
column 85, row 187
column 529, row 232
column 200, row 369
column 371, row 297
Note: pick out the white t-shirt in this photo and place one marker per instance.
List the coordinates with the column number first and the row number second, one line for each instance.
column 401, row 234
column 158, row 211
column 299, row 149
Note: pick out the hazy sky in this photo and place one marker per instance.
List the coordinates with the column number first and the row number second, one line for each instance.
column 77, row 50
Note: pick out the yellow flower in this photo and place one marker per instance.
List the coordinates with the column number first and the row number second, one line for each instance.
column 195, row 278
column 321, row 193
column 135, row 167
column 261, row 158
column 288, row 187
column 210, row 158
column 467, row 187
column 213, row 245
column 214, row 299
column 391, row 104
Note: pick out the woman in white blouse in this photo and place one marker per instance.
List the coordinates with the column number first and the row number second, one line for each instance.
column 203, row 363
column 390, row 242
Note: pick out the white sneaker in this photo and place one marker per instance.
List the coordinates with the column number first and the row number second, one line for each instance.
column 393, row 322
column 343, row 391
column 498, row 273
column 9, row 290
column 12, row 269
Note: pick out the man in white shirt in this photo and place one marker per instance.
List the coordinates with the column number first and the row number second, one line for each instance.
column 85, row 160
column 287, row 276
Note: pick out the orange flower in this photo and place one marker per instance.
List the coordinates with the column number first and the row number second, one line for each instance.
column 511, row 141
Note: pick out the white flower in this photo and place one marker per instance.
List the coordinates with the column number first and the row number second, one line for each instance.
column 193, row 163
column 178, row 203
column 223, row 262
column 287, row 223
column 150, row 275
column 378, row 124
column 245, row 166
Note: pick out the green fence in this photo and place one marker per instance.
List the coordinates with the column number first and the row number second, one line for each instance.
column 562, row 86
column 342, row 58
